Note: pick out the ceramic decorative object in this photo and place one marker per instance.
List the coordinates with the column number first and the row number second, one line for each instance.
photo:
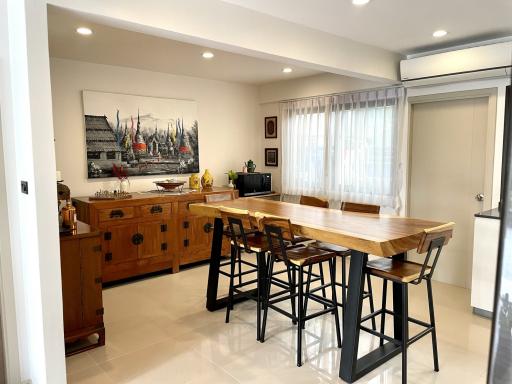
column 251, row 167
column 207, row 180
column 169, row 185
column 124, row 185
column 194, row 181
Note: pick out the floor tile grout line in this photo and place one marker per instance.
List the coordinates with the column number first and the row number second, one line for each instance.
column 95, row 364
column 136, row 350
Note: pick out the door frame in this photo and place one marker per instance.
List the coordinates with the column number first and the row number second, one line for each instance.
column 8, row 318
column 492, row 95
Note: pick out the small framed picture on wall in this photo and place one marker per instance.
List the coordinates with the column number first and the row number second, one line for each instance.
column 271, row 157
column 271, row 127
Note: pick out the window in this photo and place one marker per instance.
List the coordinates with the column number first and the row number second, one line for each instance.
column 343, row 147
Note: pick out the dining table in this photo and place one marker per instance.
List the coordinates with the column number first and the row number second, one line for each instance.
column 364, row 234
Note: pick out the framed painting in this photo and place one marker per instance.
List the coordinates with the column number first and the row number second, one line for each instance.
column 143, row 135
column 271, row 127
column 271, row 157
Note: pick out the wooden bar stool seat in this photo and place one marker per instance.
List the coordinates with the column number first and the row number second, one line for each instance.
column 399, row 271
column 406, row 272
column 337, row 249
column 305, row 256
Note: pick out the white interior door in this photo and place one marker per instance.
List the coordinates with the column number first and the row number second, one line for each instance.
column 447, row 171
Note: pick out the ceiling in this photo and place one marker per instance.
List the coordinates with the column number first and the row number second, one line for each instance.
column 403, row 26
column 114, row 46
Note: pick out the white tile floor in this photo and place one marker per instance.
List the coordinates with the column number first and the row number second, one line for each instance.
column 158, row 331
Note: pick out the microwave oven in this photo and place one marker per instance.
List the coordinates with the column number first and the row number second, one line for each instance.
column 253, row 184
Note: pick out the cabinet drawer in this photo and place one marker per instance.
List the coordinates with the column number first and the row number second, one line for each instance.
column 183, row 206
column 116, row 214
column 156, row 210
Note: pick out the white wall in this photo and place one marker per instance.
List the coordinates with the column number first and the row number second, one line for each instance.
column 32, row 230
column 322, row 84
column 227, row 112
column 272, row 93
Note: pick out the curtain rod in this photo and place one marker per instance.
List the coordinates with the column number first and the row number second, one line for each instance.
column 340, row 93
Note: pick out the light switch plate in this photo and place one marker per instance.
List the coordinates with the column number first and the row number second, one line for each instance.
column 24, row 187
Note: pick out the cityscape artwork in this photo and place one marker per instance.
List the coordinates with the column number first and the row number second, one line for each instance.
column 140, row 135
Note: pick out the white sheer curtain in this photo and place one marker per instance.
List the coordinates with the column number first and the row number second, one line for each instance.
column 344, row 147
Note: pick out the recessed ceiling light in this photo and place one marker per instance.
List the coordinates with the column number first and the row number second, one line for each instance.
column 84, row 31
column 208, row 55
column 440, row 33
column 360, row 2
column 287, row 70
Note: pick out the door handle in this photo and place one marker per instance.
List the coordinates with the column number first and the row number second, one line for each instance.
column 479, row 197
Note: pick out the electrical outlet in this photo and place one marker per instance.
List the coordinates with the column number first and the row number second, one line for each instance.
column 24, row 187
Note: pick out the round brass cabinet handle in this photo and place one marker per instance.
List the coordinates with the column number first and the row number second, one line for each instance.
column 137, row 239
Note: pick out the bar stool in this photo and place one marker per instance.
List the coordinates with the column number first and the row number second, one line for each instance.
column 407, row 272
column 225, row 196
column 343, row 252
column 279, row 233
column 245, row 238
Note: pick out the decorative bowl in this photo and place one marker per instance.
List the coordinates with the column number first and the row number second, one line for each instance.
column 169, row 185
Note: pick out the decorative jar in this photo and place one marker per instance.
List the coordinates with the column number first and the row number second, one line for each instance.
column 207, row 180
column 194, row 181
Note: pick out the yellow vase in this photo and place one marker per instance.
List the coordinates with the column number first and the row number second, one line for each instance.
column 193, row 181
column 207, row 180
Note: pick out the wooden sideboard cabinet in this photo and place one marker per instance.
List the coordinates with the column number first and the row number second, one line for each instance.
column 80, row 256
column 149, row 232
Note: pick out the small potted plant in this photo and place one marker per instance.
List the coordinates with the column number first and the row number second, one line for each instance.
column 232, row 176
column 251, row 167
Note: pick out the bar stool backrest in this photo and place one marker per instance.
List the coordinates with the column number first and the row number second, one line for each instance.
column 348, row 206
column 238, row 221
column 278, row 231
column 224, row 196
column 433, row 241
column 314, row 201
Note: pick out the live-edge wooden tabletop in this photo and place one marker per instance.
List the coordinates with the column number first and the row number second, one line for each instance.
column 376, row 234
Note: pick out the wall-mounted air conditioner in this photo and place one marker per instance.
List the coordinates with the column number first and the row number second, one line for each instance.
column 486, row 61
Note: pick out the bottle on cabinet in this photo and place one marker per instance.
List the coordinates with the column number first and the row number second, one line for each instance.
column 68, row 214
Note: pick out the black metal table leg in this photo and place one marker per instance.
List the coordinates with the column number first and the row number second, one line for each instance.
column 213, row 273
column 352, row 368
column 262, row 287
column 212, row 302
column 398, row 304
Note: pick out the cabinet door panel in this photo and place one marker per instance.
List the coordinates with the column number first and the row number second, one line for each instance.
column 153, row 239
column 71, row 285
column 120, row 245
column 197, row 242
column 90, row 255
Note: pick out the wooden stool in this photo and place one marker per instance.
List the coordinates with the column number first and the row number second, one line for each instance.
column 249, row 241
column 279, row 232
column 226, row 196
column 407, row 272
column 343, row 252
